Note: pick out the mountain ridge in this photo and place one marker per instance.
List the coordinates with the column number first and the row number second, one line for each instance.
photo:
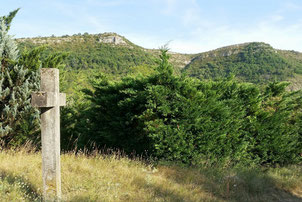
column 23, row 39
column 255, row 62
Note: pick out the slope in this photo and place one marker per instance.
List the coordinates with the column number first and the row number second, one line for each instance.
column 111, row 53
column 251, row 62
column 108, row 52
column 117, row 178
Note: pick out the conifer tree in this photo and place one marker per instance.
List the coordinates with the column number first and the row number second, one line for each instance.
column 19, row 77
column 9, row 18
column 16, row 84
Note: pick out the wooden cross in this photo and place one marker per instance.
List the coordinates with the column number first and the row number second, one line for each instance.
column 49, row 100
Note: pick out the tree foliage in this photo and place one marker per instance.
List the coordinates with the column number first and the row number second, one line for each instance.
column 19, row 77
column 192, row 121
column 16, row 85
column 9, row 18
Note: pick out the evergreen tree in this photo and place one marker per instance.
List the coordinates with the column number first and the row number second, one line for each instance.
column 9, row 18
column 192, row 121
column 19, row 77
column 16, row 84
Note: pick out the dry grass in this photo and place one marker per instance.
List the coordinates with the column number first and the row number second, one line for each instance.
column 113, row 178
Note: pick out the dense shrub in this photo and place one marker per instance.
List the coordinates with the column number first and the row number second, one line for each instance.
column 184, row 119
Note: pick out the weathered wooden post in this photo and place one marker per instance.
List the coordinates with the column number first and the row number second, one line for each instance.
column 49, row 100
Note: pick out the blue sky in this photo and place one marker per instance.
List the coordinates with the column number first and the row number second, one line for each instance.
column 190, row 26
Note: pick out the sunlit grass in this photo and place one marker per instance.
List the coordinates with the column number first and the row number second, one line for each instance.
column 116, row 178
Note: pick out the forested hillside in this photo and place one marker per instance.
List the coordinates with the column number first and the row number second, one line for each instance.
column 251, row 62
column 108, row 52
column 114, row 54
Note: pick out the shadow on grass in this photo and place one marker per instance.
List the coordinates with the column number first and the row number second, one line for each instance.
column 81, row 199
column 26, row 188
column 164, row 193
column 233, row 185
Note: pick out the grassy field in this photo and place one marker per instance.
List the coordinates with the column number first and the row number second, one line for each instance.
column 115, row 178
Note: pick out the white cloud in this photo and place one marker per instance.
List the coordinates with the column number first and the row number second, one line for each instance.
column 110, row 3
column 208, row 34
column 97, row 24
column 279, row 37
column 169, row 6
column 292, row 6
column 146, row 41
column 190, row 16
column 277, row 18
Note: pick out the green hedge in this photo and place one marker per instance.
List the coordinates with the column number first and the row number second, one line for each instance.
column 192, row 121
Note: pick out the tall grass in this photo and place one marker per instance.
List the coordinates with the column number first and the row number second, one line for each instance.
column 116, row 178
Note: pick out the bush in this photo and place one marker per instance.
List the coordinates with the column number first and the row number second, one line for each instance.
column 192, row 121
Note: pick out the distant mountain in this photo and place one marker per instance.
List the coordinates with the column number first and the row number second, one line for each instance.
column 251, row 62
column 109, row 52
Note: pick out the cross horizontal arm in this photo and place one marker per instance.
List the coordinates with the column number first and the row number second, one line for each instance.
column 47, row 99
